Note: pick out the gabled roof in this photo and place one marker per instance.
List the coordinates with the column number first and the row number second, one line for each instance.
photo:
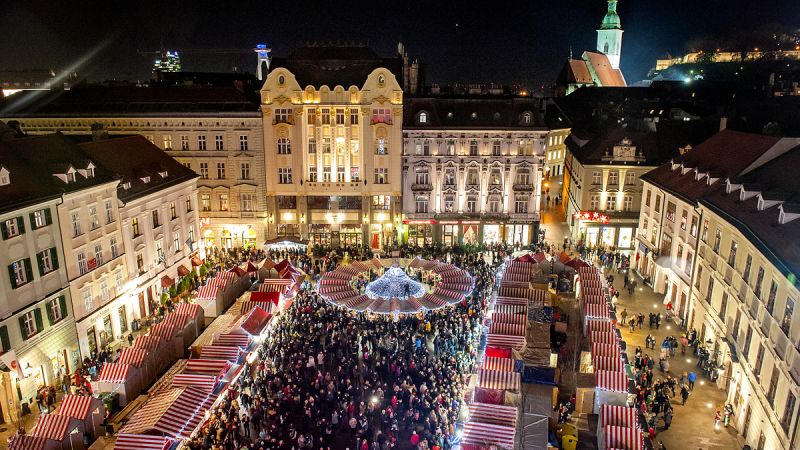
column 457, row 112
column 335, row 66
column 133, row 158
column 31, row 161
column 602, row 71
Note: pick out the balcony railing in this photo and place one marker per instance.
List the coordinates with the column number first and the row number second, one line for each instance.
column 287, row 120
column 421, row 187
column 523, row 187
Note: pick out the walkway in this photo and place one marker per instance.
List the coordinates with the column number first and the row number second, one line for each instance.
column 692, row 425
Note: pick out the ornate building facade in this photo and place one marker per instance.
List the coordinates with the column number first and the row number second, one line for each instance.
column 472, row 170
column 332, row 119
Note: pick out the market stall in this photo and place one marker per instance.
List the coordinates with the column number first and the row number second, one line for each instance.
column 479, row 436
column 89, row 410
column 194, row 320
column 621, row 438
column 140, row 359
column 64, row 430
column 142, row 442
column 161, row 357
column 170, row 330
column 121, row 379
column 175, row 413
column 611, row 388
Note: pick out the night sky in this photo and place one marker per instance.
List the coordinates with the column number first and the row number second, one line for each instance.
column 509, row 42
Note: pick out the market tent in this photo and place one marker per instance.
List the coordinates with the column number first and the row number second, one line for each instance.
column 159, row 354
column 610, row 363
column 28, row 442
column 89, row 410
column 499, row 379
column 233, row 340
column 611, row 388
column 622, row 438
column 618, row 416
column 505, row 341
column 536, row 417
column 139, row 358
column 142, row 442
column 496, row 414
column 171, row 331
column 484, row 435
column 504, row 364
column 122, row 379
column 65, row 430
column 255, row 322
column 231, row 354
column 175, row 412
column 208, row 366
column 206, row 383
column 599, row 349
column 211, row 297
column 194, row 317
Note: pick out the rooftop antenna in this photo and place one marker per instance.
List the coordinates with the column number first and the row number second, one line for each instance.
column 570, row 51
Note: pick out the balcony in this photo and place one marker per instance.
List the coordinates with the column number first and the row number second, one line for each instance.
column 287, row 120
column 474, row 186
column 421, row 187
column 523, row 187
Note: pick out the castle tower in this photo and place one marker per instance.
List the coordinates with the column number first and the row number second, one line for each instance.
column 609, row 36
column 263, row 60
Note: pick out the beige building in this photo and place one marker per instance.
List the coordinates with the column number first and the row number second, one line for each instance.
column 332, row 120
column 472, row 170
column 215, row 131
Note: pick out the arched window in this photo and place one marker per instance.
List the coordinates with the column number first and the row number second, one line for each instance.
column 527, row 117
column 605, row 48
column 423, row 117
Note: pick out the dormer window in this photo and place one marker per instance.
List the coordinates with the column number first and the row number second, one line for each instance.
column 126, row 185
column 473, row 116
column 527, row 117
column 70, row 177
column 163, row 174
column 423, row 117
column 146, row 179
column 5, row 176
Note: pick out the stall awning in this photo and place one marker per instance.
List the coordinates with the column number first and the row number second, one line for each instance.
column 149, row 343
column 497, row 379
column 208, row 366
column 220, row 352
column 237, row 270
column 233, row 340
column 142, row 442
column 623, row 437
column 206, row 383
column 132, row 356
column 188, row 309
column 510, row 329
column 26, row 442
column 166, row 329
column 486, row 435
column 611, row 380
column 256, row 321
column 196, row 261
column 167, row 281
column 605, row 349
column 619, row 416
column 182, row 271
column 505, row 341
column 175, row 412
column 114, row 372
column 76, row 406
column 502, row 364
column 273, row 297
column 52, row 426
column 496, row 414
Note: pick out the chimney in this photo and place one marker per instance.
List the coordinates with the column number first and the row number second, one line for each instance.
column 723, row 123
column 99, row 133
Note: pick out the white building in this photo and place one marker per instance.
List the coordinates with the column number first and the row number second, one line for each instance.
column 158, row 220
column 472, row 169
column 730, row 199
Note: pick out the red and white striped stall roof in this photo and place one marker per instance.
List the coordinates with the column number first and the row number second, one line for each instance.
column 220, row 352
column 623, row 438
column 208, row 366
column 511, row 309
column 76, row 406
column 619, row 416
column 175, row 412
column 26, row 442
column 52, row 426
column 166, row 330
column 611, row 380
column 605, row 349
column 596, row 311
column 613, row 363
column 149, row 342
column 518, row 319
column 499, row 379
column 503, row 364
column 114, row 373
column 505, row 341
column 206, row 383
column 508, row 328
column 599, row 325
column 604, row 337
column 132, row 356
column 512, row 301
column 142, row 442
column 233, row 340
column 496, row 414
column 188, row 309
column 594, row 300
column 256, row 321
column 487, row 434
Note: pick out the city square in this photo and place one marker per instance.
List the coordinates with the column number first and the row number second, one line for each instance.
column 401, row 226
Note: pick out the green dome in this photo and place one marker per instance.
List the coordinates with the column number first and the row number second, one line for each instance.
column 611, row 20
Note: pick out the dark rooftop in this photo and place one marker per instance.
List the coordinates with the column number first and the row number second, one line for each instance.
column 100, row 101
column 335, row 66
column 481, row 112
column 133, row 158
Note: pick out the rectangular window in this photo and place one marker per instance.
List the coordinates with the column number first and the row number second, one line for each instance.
column 123, row 319
column 496, row 149
column 353, row 117
column 112, row 243
column 658, row 203
column 723, row 306
column 41, row 218
column 223, row 202
column 786, row 323
column 381, row 202
column 643, row 230
column 173, row 211
column 759, row 282
column 594, row 203
column 285, row 175
column 732, row 254
column 76, row 224
column 109, row 212
column 704, row 233
column 339, row 116
column 204, row 170
column 611, row 203
column 788, row 411
column 156, row 218
column 521, row 206
column 773, row 386
column 647, row 198
column 312, row 146
column 693, row 229
column 311, row 117
column 219, row 142
column 247, row 202
column 473, row 148
column 710, row 289
column 201, row 142
column 597, row 177
column 83, row 265
column 717, row 241
column 671, row 212
column 47, row 260
column 773, row 292
column 748, row 337
column 205, row 202
column 759, row 360
column 94, row 221
column 613, row 179
column 184, row 142
column 135, row 227
column 684, row 219
column 176, row 241
column 284, row 146
column 98, row 254
column 88, row 301
column 382, row 115
column 245, row 171
column 326, row 116
column 381, row 175
column 748, row 262
column 472, row 204
column 30, row 324
column 422, row 204
column 451, row 148
column 326, row 173
column 56, row 310
column 283, row 115
column 326, row 145
column 105, row 293
column 627, row 203
column 20, row 272
column 630, row 177
column 188, row 204
column 160, row 251
column 699, row 277
column 381, row 148
column 449, row 203
column 312, row 173
column 243, row 145
column 140, row 263
column 340, row 174
column 167, row 142
column 220, row 171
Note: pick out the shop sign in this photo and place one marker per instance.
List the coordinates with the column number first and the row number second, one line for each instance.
column 471, row 222
column 591, row 216
column 448, row 222
column 419, row 222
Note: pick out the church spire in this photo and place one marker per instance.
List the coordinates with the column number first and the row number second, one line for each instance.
column 611, row 20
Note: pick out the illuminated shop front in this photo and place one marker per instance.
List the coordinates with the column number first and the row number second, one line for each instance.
column 450, row 233
column 598, row 229
column 420, row 232
column 518, row 234
column 350, row 235
column 470, row 236
column 491, row 233
column 320, row 234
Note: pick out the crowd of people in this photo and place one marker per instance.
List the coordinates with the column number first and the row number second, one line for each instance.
column 332, row 378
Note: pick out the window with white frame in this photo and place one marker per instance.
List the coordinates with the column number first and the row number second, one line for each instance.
column 382, row 115
column 160, row 251
column 205, row 202
column 29, row 327
column 245, row 171
column 597, row 177
column 83, row 266
column 473, row 147
column 176, row 241
column 523, row 176
column 381, row 148
column 204, row 170
column 472, row 204
column 627, row 203
column 41, row 218
column 340, row 174
column 220, row 170
column 449, row 203
column 76, row 224
column 20, row 272
column 219, row 142
column 118, row 280
column 112, row 243
column 422, row 175
column 353, row 116
column 594, row 203
column 312, row 146
column 496, row 149
column 201, row 142
column 184, row 142
column 94, row 221
column 422, row 204
column 326, row 145
column 167, row 142
column 88, row 301
column 247, row 202
column 326, row 116
column 613, row 179
column 243, row 144
column 312, row 173
column 109, row 212
column 47, row 260
column 283, row 115
column 630, row 177
column 223, row 202
column 521, row 205
column 98, row 254
column 381, row 175
column 494, row 204
column 55, row 310
column 451, row 148
column 105, row 293
column 285, row 175
column 611, row 202
column 339, row 116
column 284, row 146
column 326, row 173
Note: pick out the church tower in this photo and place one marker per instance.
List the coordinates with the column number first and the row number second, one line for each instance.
column 609, row 36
